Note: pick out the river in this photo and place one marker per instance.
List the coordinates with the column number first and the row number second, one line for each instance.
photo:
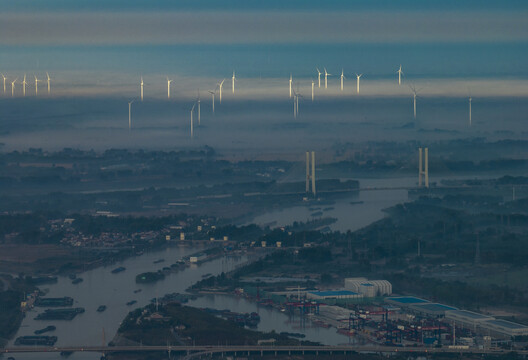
column 101, row 287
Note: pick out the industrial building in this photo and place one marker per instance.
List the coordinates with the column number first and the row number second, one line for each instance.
column 405, row 301
column 333, row 294
column 431, row 309
column 499, row 327
column 369, row 288
column 486, row 324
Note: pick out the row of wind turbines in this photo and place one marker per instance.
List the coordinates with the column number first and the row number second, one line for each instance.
column 292, row 94
column 196, row 104
column 24, row 84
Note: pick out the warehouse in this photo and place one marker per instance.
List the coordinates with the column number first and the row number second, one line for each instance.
column 369, row 288
column 503, row 328
column 468, row 319
column 333, row 294
column 430, row 309
column 405, row 301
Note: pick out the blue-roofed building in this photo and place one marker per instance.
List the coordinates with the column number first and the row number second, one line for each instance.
column 431, row 309
column 333, row 294
column 405, row 301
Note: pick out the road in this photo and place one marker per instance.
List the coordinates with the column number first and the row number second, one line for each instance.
column 192, row 351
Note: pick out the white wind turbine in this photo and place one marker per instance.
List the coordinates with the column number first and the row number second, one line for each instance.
column 13, row 87
column 233, row 79
column 342, row 78
column 313, row 85
column 291, row 80
column 36, row 85
column 213, row 95
column 198, row 101
column 400, row 73
column 168, row 87
column 130, row 114
column 415, row 94
column 49, row 83
column 141, row 86
column 24, row 83
column 5, row 78
column 326, row 78
column 192, row 125
column 220, row 86
column 296, row 97
column 358, row 77
column 319, row 76
column 470, row 109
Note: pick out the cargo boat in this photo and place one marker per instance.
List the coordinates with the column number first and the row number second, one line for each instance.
column 60, row 314
column 101, row 308
column 118, row 270
column 130, row 303
column 36, row 340
column 54, row 302
column 46, row 329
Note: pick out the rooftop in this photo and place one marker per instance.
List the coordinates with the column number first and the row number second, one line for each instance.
column 507, row 324
column 407, row 300
column 333, row 293
column 435, row 307
column 470, row 314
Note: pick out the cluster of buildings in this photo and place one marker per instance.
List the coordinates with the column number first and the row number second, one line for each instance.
column 478, row 323
column 355, row 288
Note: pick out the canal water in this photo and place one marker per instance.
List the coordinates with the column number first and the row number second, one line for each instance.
column 101, row 287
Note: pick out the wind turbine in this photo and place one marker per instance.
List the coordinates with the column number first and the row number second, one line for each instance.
column 4, row 82
column 24, row 83
column 220, row 86
column 141, row 85
column 36, row 85
column 198, row 107
column 168, row 87
column 319, row 76
column 296, row 97
column 415, row 94
column 326, row 78
column 342, row 78
column 192, row 126
column 130, row 115
column 470, row 109
column 400, row 73
column 313, row 85
column 49, row 83
column 213, row 95
column 291, row 85
column 358, row 77
column 13, row 87
column 233, row 79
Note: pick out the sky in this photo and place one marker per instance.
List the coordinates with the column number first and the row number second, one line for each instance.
column 96, row 51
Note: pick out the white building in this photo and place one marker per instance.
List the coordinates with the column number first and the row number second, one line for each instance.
column 369, row 288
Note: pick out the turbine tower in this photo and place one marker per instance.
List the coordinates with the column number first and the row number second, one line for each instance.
column 24, row 83
column 192, row 126
column 213, row 95
column 220, row 86
column 470, row 110
column 400, row 73
column 141, row 85
column 233, row 79
column 13, row 87
column 342, row 78
column 415, row 94
column 198, row 101
column 5, row 78
column 423, row 171
column 168, row 87
column 130, row 115
column 313, row 85
column 358, row 77
column 310, row 177
column 291, row 85
column 319, row 76
column 326, row 78
column 36, row 85
column 49, row 83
